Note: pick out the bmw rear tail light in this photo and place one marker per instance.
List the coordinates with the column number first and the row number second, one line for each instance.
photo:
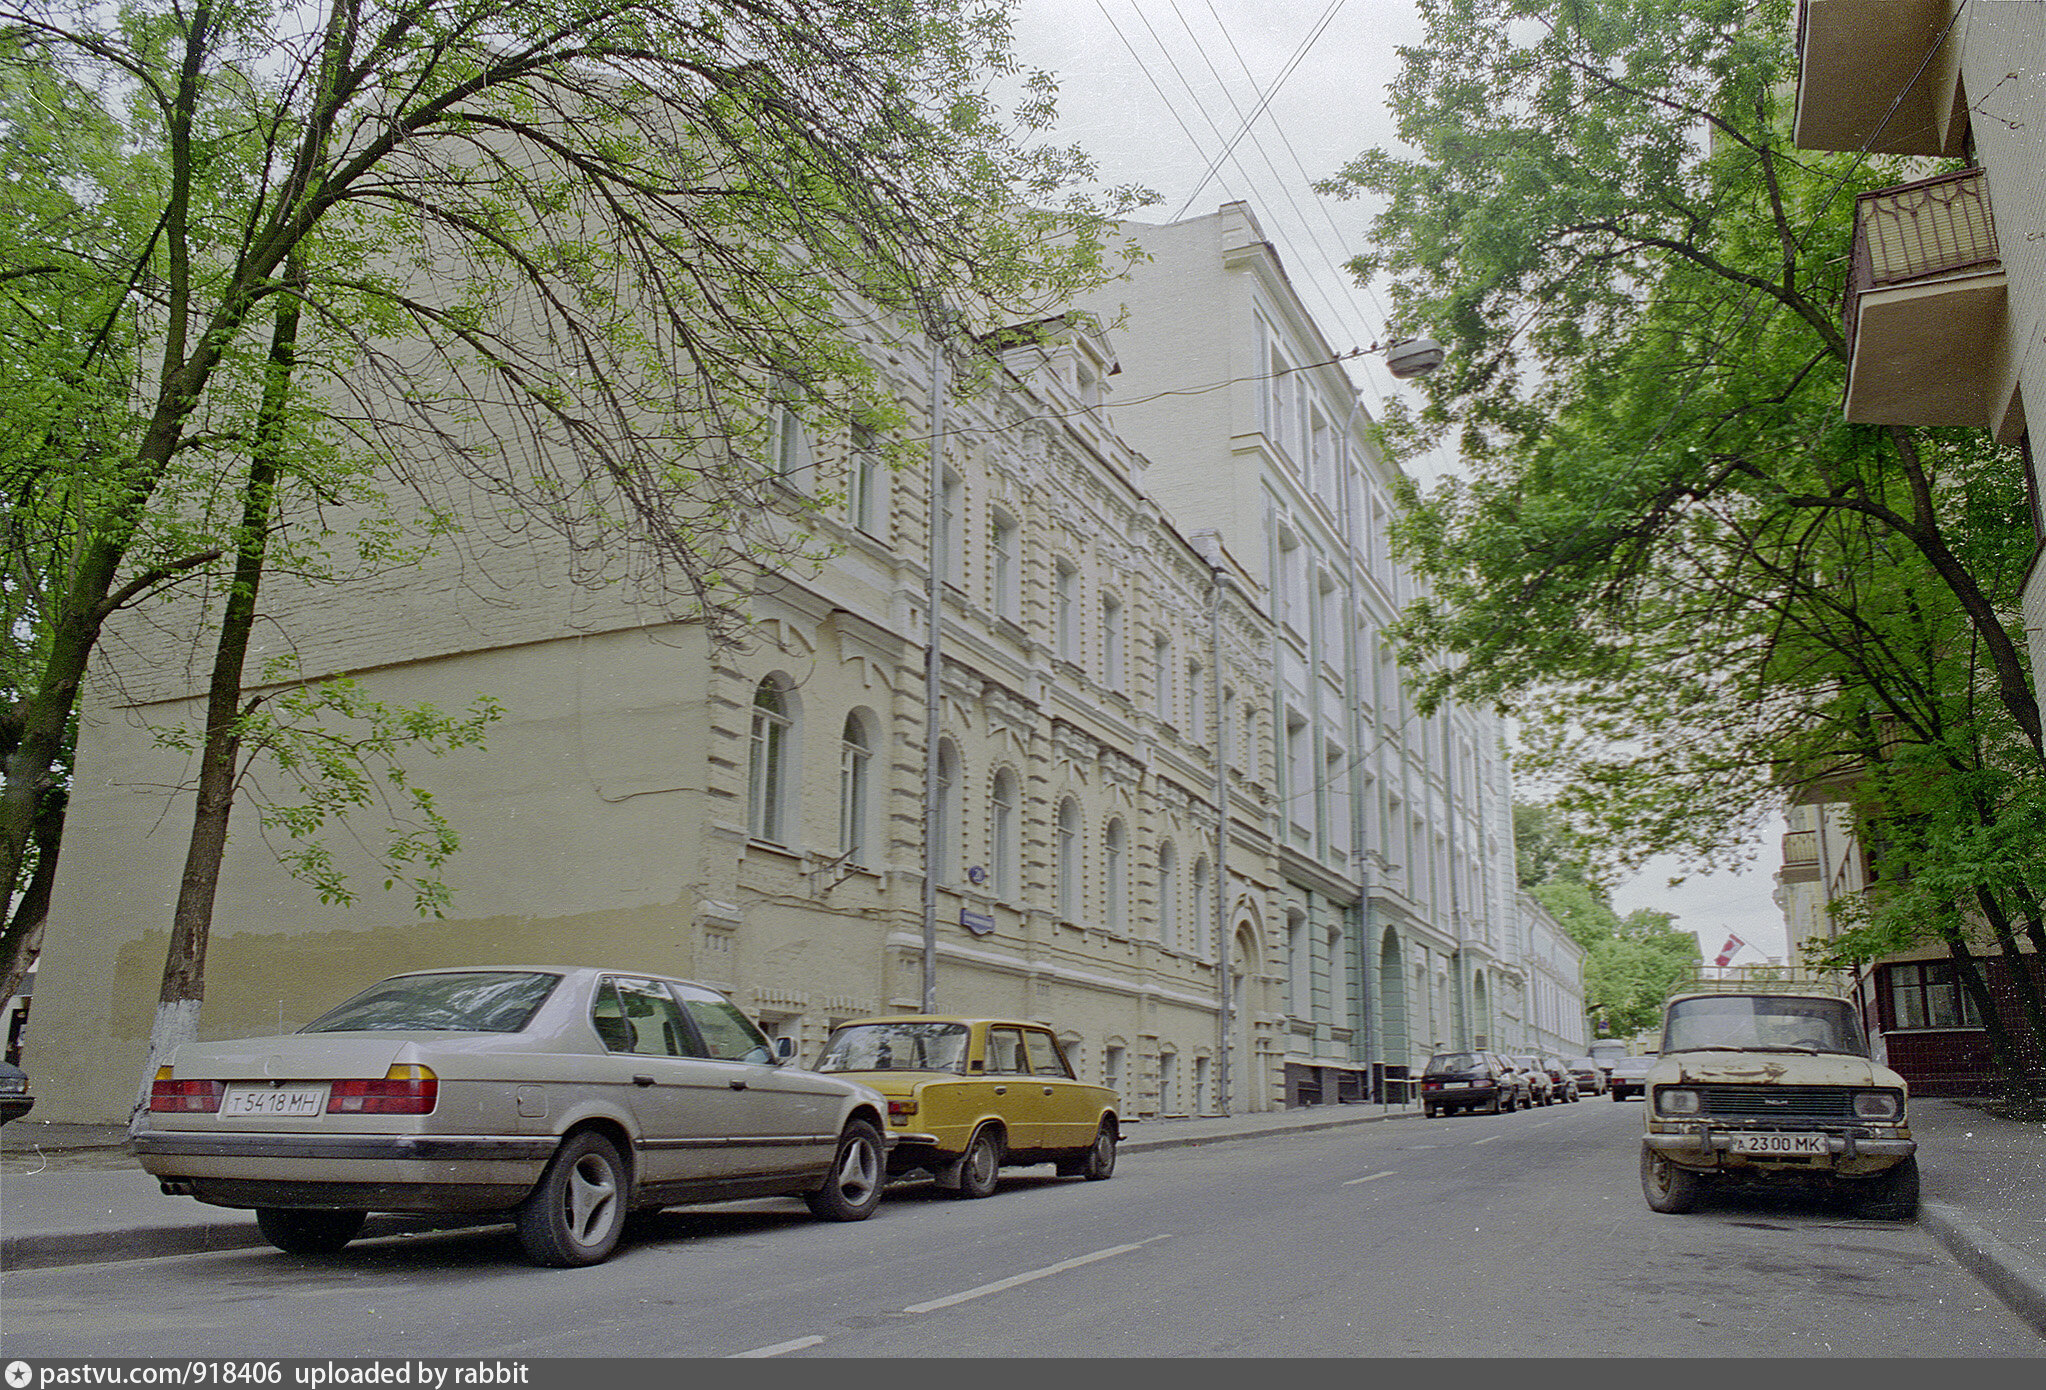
column 901, row 1109
column 406, row 1089
column 167, row 1095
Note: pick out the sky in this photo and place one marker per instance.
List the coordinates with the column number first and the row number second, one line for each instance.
column 1158, row 91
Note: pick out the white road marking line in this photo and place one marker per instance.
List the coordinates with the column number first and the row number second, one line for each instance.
column 1374, row 1177
column 1000, row 1284
column 1493, row 1140
column 776, row 1350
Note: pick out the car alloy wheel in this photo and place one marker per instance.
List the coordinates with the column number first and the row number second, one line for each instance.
column 577, row 1212
column 853, row 1188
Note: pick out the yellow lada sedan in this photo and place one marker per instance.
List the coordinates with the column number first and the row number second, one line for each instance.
column 968, row 1096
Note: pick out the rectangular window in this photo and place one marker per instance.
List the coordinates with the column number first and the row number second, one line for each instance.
column 790, row 446
column 1111, row 642
column 950, row 498
column 1066, row 620
column 1002, row 566
column 1926, row 994
column 867, row 487
column 1161, row 666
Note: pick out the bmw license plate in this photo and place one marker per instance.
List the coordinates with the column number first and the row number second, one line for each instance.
column 274, row 1100
column 1781, row 1145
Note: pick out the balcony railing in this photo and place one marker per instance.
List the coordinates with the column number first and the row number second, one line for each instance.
column 1801, row 857
column 1920, row 231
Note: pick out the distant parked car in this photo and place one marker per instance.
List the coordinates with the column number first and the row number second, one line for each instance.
column 1562, row 1084
column 1629, row 1077
column 1589, row 1075
column 1541, row 1088
column 1454, row 1081
column 15, row 1100
column 562, row 1097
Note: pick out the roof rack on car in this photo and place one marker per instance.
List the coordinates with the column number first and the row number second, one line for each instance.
column 1766, row 979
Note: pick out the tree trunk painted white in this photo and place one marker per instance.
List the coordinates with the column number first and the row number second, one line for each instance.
column 176, row 1022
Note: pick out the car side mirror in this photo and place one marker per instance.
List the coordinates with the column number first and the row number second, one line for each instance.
column 784, row 1049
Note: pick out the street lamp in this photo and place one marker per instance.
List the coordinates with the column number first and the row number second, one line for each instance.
column 1407, row 358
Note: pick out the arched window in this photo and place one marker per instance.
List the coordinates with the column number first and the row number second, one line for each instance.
column 1003, row 835
column 1168, row 896
column 1069, row 860
column 1115, row 873
column 855, row 790
column 944, row 827
column 1202, row 921
column 772, row 755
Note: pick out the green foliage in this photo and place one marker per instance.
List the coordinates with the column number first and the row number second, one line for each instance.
column 314, row 752
column 550, row 259
column 1631, row 963
column 1669, row 556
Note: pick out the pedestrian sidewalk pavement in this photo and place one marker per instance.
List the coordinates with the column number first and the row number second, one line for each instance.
column 71, row 1194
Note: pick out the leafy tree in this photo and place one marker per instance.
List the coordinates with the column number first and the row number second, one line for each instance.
column 1671, row 558
column 1631, row 963
column 579, row 259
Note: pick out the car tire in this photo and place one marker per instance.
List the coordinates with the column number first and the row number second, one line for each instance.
column 1891, row 1195
column 980, row 1168
column 1098, row 1162
column 1669, row 1188
column 1428, row 1112
column 305, row 1231
column 852, row 1189
column 576, row 1212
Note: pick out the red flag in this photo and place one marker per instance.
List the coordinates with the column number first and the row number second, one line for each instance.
column 1728, row 951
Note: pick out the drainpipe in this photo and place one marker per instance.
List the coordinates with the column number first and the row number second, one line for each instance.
column 933, row 665
column 1359, row 820
column 1219, row 579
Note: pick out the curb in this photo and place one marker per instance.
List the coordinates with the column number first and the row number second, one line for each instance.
column 2006, row 1271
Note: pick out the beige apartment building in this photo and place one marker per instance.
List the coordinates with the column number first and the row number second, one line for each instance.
column 1398, row 926
column 757, row 818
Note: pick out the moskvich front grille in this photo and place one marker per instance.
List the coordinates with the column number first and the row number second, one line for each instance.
column 1777, row 1102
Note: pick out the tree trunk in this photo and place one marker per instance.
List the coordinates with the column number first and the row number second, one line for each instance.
column 184, row 966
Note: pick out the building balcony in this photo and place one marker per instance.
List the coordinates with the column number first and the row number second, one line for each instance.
column 1800, row 857
column 1876, row 75
column 1926, row 307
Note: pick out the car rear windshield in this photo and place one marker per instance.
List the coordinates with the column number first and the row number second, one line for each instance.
column 1762, row 1023
column 1454, row 1061
column 896, row 1047
column 482, row 1001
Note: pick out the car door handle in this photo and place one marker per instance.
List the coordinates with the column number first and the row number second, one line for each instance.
column 1047, row 1090
column 641, row 1080
column 1001, row 1090
column 736, row 1085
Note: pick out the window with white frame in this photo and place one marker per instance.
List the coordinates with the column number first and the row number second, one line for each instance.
column 944, row 827
column 1005, row 833
column 1161, row 667
column 1066, row 610
column 1203, row 909
column 769, row 762
column 1005, row 594
column 1196, row 700
column 867, row 485
column 1112, row 669
column 1115, row 875
column 951, row 498
column 1300, row 774
column 855, row 789
column 1168, row 896
column 1299, row 964
column 1335, row 781
column 1111, row 1066
column 789, row 441
column 1168, row 1083
column 1291, row 581
column 1069, row 860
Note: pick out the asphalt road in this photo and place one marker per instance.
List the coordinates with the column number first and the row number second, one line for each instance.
column 1514, row 1235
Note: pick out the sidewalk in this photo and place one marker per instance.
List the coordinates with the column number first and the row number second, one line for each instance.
column 69, row 1194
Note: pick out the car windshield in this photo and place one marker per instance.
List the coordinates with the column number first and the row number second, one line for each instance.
column 896, row 1047
column 480, row 1001
column 1762, row 1023
column 1452, row 1062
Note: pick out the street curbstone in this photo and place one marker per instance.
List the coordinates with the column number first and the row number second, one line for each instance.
column 2009, row 1273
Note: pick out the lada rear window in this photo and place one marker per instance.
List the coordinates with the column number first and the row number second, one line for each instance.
column 904, row 1046
column 1445, row 1062
column 480, row 1001
column 1762, row 1023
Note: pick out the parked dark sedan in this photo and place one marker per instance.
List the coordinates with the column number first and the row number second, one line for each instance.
column 1471, row 1081
column 1589, row 1075
column 15, row 1100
